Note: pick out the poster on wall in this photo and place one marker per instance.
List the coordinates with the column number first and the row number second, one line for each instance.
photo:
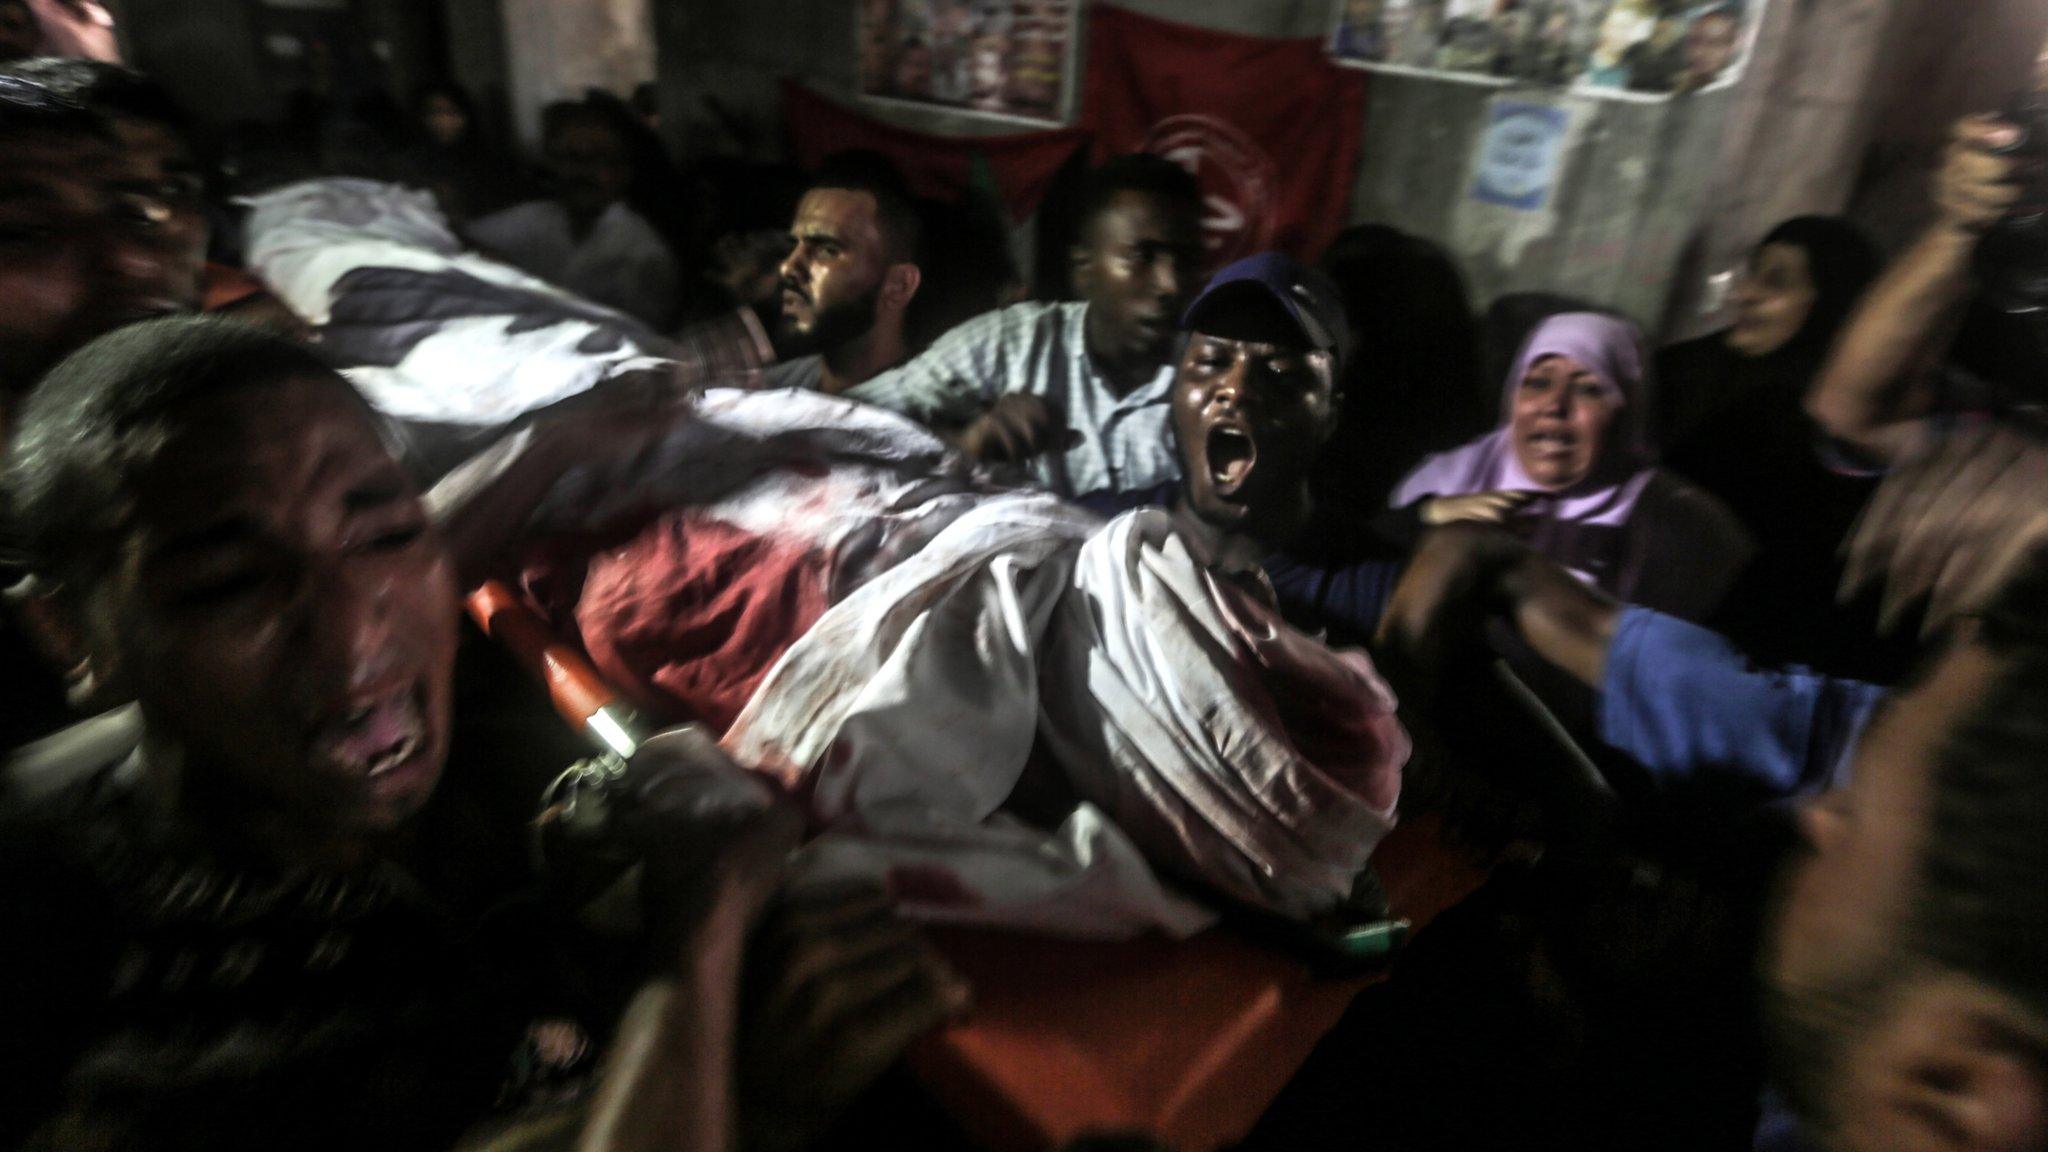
column 1648, row 49
column 1004, row 58
column 1521, row 155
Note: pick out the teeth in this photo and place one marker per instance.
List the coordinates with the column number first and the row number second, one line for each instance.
column 398, row 755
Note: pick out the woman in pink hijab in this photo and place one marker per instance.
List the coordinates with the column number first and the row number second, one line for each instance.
column 1572, row 468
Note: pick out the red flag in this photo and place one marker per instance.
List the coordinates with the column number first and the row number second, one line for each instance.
column 1269, row 127
column 941, row 167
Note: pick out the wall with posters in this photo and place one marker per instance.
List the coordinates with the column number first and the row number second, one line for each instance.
column 1624, row 198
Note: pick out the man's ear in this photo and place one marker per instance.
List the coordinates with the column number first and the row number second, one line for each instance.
column 57, row 625
column 1957, row 1068
column 900, row 284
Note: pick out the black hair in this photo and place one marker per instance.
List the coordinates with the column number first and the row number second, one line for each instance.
column 103, row 411
column 564, row 114
column 108, row 89
column 31, row 108
column 896, row 209
column 1135, row 172
column 1980, row 907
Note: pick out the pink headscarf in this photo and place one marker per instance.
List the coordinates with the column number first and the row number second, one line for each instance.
column 1580, row 526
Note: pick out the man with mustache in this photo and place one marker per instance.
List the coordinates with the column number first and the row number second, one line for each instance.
column 1075, row 394
column 849, row 278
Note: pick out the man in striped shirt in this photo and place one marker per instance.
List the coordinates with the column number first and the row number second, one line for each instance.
column 1074, row 395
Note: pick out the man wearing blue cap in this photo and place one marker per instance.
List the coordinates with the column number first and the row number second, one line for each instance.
column 1253, row 401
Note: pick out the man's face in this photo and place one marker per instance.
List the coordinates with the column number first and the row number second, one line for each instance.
column 81, row 252
column 1561, row 420
column 1249, row 419
column 157, row 161
column 1136, row 268
column 1844, row 902
column 284, row 612
column 590, row 164
column 832, row 277
column 443, row 120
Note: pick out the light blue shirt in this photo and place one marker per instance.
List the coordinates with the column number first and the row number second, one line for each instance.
column 1041, row 350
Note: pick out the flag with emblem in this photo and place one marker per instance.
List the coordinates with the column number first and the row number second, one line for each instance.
column 1020, row 166
column 1269, row 127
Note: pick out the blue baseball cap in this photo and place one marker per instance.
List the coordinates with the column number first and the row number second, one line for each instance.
column 1308, row 297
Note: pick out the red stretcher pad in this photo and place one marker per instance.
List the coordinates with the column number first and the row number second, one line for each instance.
column 1186, row 1041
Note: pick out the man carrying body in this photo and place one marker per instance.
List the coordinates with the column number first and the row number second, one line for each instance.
column 250, row 913
column 1102, row 366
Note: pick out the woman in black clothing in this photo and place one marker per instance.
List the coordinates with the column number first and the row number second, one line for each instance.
column 1732, row 406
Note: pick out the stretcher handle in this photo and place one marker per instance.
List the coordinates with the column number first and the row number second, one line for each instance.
column 576, row 689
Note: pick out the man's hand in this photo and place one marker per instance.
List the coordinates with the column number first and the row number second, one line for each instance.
column 1479, row 507
column 713, row 838
column 1977, row 185
column 837, row 987
column 1016, row 429
column 1447, row 589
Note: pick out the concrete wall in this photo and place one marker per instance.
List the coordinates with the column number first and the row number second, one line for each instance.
column 1935, row 68
column 556, row 49
column 1655, row 200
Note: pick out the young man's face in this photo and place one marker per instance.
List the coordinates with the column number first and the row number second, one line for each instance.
column 592, row 166
column 81, row 252
column 1136, row 267
column 1249, row 419
column 1835, row 941
column 156, row 160
column 832, row 277
column 284, row 613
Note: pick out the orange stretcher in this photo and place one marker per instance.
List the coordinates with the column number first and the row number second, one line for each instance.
column 1186, row 1041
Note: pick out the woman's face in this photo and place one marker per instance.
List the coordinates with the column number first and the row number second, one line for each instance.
column 1772, row 301
column 1560, row 421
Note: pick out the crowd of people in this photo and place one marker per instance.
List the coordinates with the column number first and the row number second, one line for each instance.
column 1163, row 590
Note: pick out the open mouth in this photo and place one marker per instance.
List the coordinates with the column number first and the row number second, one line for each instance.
column 1232, row 454
column 1551, row 444
column 375, row 736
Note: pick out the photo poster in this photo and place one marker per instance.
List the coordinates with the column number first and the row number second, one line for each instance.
column 1004, row 58
column 1650, row 49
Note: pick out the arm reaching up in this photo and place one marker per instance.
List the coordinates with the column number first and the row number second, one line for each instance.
column 1879, row 382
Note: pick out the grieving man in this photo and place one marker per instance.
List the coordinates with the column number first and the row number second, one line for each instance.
column 1076, row 393
column 1254, row 400
column 249, row 911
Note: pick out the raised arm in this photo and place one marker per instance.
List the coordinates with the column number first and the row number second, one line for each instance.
column 1880, row 381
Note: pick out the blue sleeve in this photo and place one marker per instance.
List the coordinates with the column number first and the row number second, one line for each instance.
column 1349, row 598
column 1685, row 703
